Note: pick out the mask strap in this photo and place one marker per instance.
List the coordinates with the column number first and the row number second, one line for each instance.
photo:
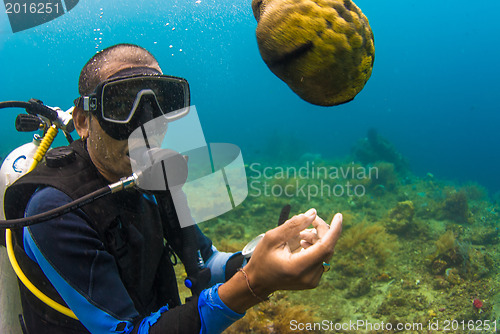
column 135, row 71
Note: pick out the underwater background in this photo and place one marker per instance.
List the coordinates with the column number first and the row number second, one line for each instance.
column 433, row 90
column 420, row 243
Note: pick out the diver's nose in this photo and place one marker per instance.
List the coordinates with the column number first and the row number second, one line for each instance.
column 149, row 116
column 149, row 108
column 146, row 112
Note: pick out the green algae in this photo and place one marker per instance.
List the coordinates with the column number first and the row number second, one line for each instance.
column 413, row 249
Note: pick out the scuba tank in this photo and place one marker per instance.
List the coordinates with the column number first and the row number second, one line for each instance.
column 19, row 162
column 15, row 165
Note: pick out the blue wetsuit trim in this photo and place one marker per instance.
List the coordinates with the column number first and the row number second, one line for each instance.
column 215, row 315
column 95, row 320
column 151, row 320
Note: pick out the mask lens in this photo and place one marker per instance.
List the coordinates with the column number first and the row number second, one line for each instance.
column 119, row 97
column 117, row 101
column 171, row 95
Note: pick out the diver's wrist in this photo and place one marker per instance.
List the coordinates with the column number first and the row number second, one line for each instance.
column 257, row 296
column 236, row 295
column 258, row 290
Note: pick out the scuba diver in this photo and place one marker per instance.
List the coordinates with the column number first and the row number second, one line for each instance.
column 111, row 261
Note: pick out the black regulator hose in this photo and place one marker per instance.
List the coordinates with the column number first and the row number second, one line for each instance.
column 33, row 107
column 57, row 212
column 72, row 206
column 14, row 104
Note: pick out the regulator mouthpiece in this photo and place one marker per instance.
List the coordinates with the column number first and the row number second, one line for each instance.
column 161, row 169
column 204, row 180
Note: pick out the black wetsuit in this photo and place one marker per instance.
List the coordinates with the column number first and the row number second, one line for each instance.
column 107, row 262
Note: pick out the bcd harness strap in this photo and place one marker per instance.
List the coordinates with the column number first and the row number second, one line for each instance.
column 182, row 240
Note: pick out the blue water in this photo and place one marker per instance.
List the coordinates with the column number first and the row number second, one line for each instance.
column 433, row 91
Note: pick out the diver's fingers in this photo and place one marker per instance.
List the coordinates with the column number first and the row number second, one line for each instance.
column 321, row 226
column 304, row 244
column 294, row 243
column 322, row 250
column 333, row 233
column 309, row 237
column 289, row 229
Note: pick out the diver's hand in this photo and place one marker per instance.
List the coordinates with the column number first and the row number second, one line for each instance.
column 274, row 264
column 310, row 236
column 279, row 263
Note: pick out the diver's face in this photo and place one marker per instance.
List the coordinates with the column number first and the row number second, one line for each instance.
column 109, row 155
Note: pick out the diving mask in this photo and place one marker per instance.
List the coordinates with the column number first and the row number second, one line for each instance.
column 123, row 103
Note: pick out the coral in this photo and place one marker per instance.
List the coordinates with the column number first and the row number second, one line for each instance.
column 440, row 283
column 439, row 266
column 458, row 261
column 362, row 287
column 385, row 178
column 456, row 208
column 477, row 303
column 452, row 276
column 479, row 265
column 363, row 248
column 273, row 317
column 446, row 244
column 475, row 192
column 446, row 254
column 397, row 303
column 403, row 211
column 375, row 148
column 400, row 217
column 383, row 277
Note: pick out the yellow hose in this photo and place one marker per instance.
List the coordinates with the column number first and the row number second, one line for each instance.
column 44, row 146
column 39, row 294
column 39, row 154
